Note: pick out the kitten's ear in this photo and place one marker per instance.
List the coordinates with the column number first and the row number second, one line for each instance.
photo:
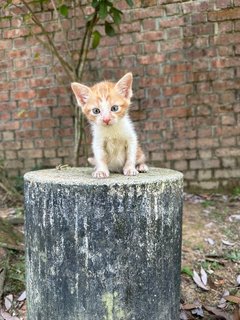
column 81, row 92
column 124, row 86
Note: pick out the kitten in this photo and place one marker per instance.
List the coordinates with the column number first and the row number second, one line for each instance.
column 115, row 145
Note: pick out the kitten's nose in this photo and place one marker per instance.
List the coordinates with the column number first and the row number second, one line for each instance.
column 106, row 120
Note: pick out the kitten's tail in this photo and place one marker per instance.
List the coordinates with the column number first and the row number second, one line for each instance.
column 92, row 161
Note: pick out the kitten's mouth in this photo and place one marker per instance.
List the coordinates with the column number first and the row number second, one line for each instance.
column 106, row 124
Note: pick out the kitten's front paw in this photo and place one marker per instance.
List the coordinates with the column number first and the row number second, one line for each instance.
column 129, row 171
column 100, row 174
column 142, row 167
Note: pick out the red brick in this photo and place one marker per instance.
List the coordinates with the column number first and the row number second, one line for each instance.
column 11, row 145
column 45, row 123
column 49, row 153
column 149, row 36
column 225, row 14
column 11, row 155
column 18, row 54
column 139, row 14
column 44, row 102
column 184, row 89
column 26, row 125
column 205, row 143
column 5, row 44
column 14, row 164
column 25, row 73
column 27, row 144
column 11, row 125
column 175, row 155
column 29, row 154
column 5, row 116
column 151, row 59
column 15, row 33
column 30, row 94
column 172, row 22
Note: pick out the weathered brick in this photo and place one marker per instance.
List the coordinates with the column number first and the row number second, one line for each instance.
column 204, row 174
column 229, row 162
column 8, row 135
column 28, row 154
column 49, row 153
column 231, row 152
column 181, row 165
column 14, row 164
column 11, row 145
column 10, row 155
column 15, row 33
column 225, row 14
column 149, row 36
column 227, row 173
column 149, row 59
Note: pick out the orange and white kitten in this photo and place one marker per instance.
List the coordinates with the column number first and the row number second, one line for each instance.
column 115, row 144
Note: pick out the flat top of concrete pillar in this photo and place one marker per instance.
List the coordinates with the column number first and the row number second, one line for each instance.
column 83, row 176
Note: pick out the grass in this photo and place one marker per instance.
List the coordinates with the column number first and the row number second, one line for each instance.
column 186, row 270
column 236, row 191
column 208, row 203
column 15, row 272
column 211, row 265
column 233, row 255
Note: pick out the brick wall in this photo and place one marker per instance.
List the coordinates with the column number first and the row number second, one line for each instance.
column 185, row 57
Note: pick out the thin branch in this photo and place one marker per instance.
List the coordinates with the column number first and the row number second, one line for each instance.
column 85, row 45
column 54, row 50
column 62, row 29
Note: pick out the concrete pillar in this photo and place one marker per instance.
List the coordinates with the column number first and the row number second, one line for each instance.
column 107, row 249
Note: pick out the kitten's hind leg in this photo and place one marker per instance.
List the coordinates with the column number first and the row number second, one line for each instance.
column 140, row 161
column 142, row 167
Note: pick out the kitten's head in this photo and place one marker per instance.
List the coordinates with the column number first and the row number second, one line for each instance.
column 105, row 103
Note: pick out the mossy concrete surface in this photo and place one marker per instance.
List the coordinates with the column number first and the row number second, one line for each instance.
column 104, row 249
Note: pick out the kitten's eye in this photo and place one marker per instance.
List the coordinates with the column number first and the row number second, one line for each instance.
column 115, row 108
column 96, row 110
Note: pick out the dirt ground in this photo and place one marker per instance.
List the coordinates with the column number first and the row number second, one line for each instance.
column 210, row 286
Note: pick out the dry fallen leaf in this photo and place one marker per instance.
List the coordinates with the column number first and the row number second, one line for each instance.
column 22, row 297
column 198, row 281
column 198, row 312
column 8, row 300
column 7, row 316
column 233, row 299
column 223, row 303
column 228, row 243
column 238, row 280
column 204, row 276
column 234, row 217
column 218, row 312
column 210, row 241
column 236, row 314
column 183, row 315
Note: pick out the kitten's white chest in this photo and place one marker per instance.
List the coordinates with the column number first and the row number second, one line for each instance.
column 114, row 141
column 116, row 154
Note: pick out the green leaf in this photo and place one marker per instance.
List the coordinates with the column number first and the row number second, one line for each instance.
column 116, row 15
column 95, row 3
column 96, row 39
column 187, row 271
column 103, row 10
column 37, row 55
column 130, row 3
column 109, row 29
column 63, row 10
